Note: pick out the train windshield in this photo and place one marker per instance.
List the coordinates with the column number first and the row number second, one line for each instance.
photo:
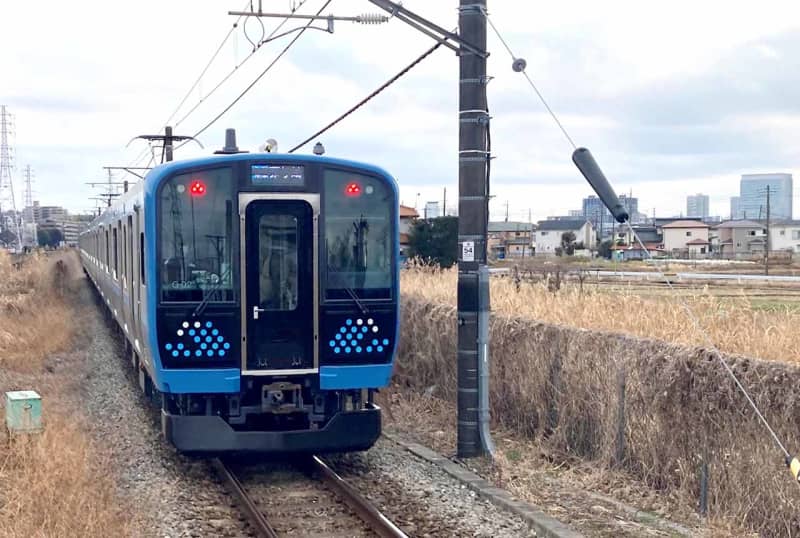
column 358, row 228
column 196, row 215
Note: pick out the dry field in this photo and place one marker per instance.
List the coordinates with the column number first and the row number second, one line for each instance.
column 621, row 384
column 54, row 484
column 736, row 321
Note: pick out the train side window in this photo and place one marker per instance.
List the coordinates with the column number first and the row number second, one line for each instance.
column 108, row 247
column 141, row 258
column 123, row 274
column 116, row 252
column 129, row 242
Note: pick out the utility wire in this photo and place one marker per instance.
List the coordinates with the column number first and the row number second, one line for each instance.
column 793, row 463
column 370, row 96
column 259, row 77
column 519, row 64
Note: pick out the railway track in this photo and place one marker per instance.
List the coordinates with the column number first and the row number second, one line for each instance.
column 303, row 498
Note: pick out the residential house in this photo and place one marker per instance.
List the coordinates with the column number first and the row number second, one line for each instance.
column 510, row 239
column 407, row 217
column 547, row 237
column 740, row 238
column 686, row 238
column 629, row 248
column 785, row 235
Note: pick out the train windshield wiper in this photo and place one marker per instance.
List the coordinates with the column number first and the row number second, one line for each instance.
column 360, row 305
column 207, row 294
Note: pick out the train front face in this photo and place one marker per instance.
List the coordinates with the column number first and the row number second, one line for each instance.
column 276, row 308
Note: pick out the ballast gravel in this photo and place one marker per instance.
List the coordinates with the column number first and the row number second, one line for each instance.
column 175, row 496
column 421, row 498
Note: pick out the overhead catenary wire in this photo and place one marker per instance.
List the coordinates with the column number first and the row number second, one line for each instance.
column 149, row 149
column 792, row 462
column 259, row 77
column 234, row 26
column 256, row 48
column 369, row 97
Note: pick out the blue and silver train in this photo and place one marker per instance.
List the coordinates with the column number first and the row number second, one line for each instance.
column 258, row 296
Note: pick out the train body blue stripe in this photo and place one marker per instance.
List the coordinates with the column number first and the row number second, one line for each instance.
column 366, row 376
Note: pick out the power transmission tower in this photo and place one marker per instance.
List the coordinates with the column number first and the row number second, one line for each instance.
column 7, row 204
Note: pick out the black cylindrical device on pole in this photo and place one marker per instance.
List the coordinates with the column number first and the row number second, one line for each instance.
column 585, row 162
column 168, row 143
column 473, row 217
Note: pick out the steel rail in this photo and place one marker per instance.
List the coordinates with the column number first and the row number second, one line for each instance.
column 260, row 524
column 357, row 502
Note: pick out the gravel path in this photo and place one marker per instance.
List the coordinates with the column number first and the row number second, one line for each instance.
column 174, row 496
column 420, row 498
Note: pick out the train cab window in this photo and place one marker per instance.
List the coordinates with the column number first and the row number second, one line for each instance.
column 358, row 212
column 196, row 222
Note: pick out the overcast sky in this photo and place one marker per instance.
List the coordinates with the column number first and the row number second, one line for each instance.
column 672, row 98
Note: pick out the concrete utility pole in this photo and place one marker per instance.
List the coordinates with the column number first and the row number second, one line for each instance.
column 473, row 210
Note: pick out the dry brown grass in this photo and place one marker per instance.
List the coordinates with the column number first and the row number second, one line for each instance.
column 55, row 484
column 559, row 387
column 35, row 317
column 733, row 325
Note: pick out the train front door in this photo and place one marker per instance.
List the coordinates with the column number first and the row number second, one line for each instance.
column 279, row 277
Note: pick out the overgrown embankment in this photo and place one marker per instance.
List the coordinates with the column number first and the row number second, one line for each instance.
column 654, row 409
column 56, row 483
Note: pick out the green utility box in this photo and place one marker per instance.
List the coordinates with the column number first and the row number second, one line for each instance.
column 23, row 411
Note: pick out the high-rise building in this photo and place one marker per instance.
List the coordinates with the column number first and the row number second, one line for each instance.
column 600, row 217
column 431, row 210
column 735, row 211
column 697, row 205
column 753, row 196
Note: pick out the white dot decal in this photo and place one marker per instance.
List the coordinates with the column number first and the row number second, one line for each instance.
column 359, row 322
column 375, row 328
column 196, row 324
column 180, row 332
column 185, row 324
column 369, row 321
